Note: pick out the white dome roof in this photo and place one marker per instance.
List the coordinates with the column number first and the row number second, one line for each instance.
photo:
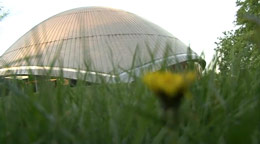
column 92, row 40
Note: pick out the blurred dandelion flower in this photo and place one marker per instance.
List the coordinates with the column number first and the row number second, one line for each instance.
column 169, row 87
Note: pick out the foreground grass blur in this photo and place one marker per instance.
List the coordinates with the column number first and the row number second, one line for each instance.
column 223, row 109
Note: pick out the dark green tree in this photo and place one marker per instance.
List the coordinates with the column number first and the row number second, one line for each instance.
column 240, row 48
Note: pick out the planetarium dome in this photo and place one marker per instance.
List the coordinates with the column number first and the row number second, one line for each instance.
column 94, row 41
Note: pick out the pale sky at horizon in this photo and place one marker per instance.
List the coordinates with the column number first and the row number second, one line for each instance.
column 196, row 23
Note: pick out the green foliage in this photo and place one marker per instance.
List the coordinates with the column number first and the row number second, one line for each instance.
column 242, row 42
column 247, row 7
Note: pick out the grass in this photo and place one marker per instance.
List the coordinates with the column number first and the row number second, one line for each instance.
column 223, row 109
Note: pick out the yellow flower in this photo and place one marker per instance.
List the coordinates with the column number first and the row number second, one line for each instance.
column 170, row 87
column 169, row 83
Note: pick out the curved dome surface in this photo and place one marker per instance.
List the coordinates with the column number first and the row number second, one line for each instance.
column 94, row 41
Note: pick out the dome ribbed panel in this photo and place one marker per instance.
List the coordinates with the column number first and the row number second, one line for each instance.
column 102, row 37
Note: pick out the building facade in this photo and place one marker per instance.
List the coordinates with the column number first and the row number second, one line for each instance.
column 93, row 42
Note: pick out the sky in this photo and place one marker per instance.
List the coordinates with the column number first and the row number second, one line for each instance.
column 197, row 23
